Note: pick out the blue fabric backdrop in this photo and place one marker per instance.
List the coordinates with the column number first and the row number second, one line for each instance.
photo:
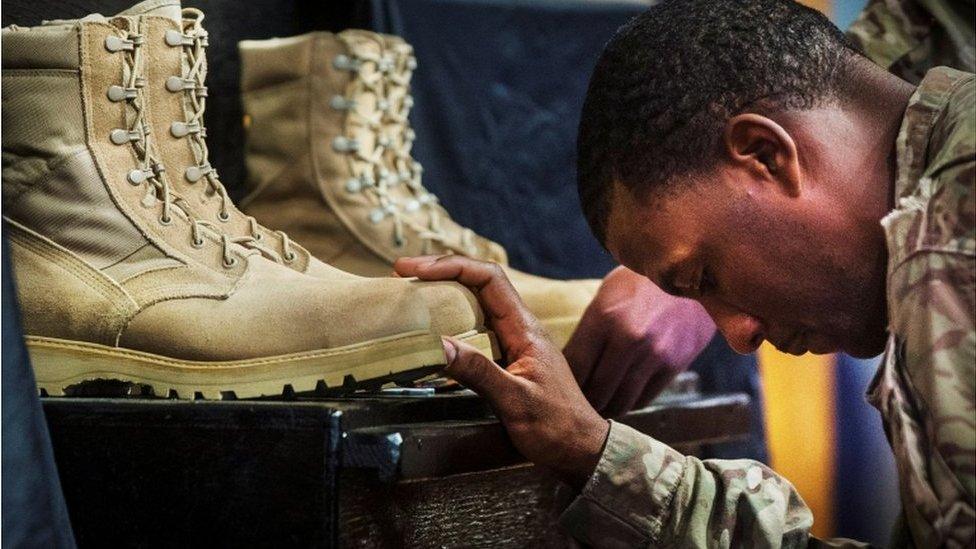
column 34, row 513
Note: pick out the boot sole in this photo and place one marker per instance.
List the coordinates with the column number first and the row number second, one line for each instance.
column 59, row 364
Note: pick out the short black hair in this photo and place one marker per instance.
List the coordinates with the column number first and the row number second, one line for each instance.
column 669, row 80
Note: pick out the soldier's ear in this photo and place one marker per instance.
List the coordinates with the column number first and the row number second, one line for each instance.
column 765, row 150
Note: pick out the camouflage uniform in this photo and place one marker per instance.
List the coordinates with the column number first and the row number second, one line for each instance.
column 909, row 37
column 645, row 493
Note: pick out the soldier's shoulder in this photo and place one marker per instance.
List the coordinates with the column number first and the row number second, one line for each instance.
column 937, row 155
column 951, row 166
column 953, row 137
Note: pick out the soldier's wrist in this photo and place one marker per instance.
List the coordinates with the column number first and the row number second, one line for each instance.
column 584, row 453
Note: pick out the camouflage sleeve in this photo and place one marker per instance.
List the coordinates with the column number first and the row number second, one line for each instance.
column 927, row 388
column 643, row 493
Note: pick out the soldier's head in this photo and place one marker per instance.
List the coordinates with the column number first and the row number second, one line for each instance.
column 739, row 152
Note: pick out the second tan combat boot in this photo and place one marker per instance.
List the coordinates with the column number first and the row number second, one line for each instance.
column 176, row 42
column 328, row 160
column 117, row 279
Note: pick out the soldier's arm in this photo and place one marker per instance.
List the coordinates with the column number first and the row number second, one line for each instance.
column 643, row 493
column 927, row 388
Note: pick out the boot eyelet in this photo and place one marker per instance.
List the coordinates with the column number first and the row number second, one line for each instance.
column 399, row 242
column 115, row 44
column 340, row 103
column 197, row 243
column 345, row 63
column 259, row 236
column 137, row 177
column 290, row 256
column 121, row 137
column 165, row 220
column 174, row 84
column 223, row 216
column 174, row 38
column 179, row 129
column 353, row 185
column 117, row 93
column 230, row 263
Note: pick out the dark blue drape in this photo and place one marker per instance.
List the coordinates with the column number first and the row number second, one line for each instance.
column 34, row 513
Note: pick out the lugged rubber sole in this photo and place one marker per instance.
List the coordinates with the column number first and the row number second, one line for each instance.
column 59, row 364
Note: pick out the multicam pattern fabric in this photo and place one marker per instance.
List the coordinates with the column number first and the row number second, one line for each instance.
column 643, row 493
column 909, row 37
column 925, row 386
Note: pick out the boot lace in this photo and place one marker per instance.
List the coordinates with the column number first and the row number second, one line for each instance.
column 150, row 171
column 369, row 142
column 194, row 41
column 398, row 119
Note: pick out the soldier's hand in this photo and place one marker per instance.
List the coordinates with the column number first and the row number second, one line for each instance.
column 536, row 397
column 633, row 340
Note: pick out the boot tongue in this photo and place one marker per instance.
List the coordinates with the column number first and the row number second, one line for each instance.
column 170, row 9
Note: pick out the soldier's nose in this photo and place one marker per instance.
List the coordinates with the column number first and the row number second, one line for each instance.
column 744, row 332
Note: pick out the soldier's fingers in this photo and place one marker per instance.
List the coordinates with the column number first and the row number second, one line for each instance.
column 407, row 266
column 514, row 325
column 474, row 370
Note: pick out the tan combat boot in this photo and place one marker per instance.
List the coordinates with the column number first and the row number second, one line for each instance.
column 117, row 278
column 177, row 42
column 328, row 158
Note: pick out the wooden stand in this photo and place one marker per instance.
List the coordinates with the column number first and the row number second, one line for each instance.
column 363, row 471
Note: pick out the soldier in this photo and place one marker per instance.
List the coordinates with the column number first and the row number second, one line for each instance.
column 746, row 155
column 621, row 354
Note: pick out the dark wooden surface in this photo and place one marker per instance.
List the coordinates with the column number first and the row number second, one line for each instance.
column 369, row 471
column 461, row 484
column 510, row 507
column 228, row 22
column 455, row 446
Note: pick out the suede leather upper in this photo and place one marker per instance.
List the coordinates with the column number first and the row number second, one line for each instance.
column 102, row 256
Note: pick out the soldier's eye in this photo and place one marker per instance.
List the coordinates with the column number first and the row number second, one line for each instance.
column 706, row 281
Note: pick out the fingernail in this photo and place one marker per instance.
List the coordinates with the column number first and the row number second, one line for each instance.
column 450, row 349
